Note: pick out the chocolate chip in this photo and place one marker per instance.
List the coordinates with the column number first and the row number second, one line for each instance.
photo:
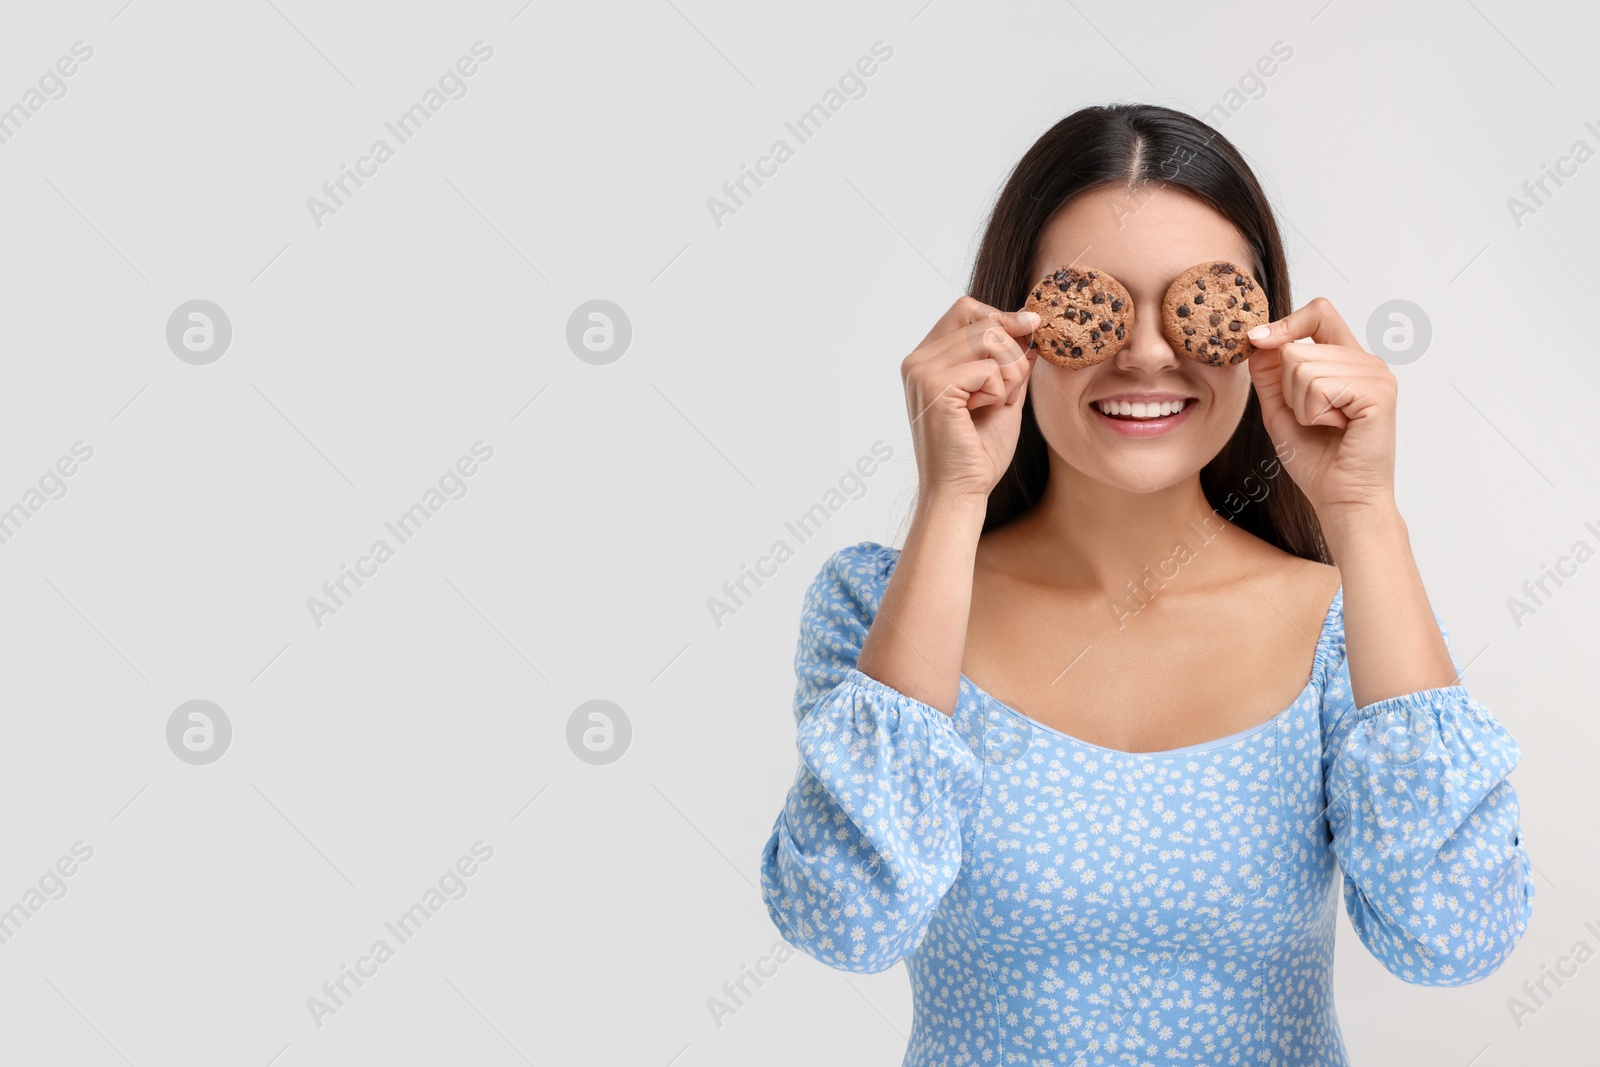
column 1066, row 285
column 1098, row 298
column 1247, row 305
column 1116, row 305
column 1119, row 333
column 1183, row 311
column 1232, row 301
column 1094, row 335
column 1200, row 283
column 1106, row 326
column 1216, row 319
column 1230, row 343
column 1076, row 352
column 1236, row 325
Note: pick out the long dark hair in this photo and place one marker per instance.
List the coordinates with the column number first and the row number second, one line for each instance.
column 1124, row 145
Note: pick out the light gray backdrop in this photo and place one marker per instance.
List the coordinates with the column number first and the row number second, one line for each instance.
column 377, row 338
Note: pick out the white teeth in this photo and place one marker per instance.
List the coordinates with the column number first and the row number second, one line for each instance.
column 1140, row 410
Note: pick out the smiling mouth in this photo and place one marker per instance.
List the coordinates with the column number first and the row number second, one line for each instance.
column 1125, row 412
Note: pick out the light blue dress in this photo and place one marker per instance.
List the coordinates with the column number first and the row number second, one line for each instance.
column 1057, row 902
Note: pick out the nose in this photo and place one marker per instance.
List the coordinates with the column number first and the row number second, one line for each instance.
column 1147, row 348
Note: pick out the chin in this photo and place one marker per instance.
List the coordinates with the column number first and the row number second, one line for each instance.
column 1135, row 473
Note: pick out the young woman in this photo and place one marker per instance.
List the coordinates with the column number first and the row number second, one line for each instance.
column 1086, row 751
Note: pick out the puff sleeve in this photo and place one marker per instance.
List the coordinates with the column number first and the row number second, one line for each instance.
column 869, row 838
column 1425, row 826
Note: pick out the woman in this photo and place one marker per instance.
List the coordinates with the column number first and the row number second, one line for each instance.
column 1086, row 751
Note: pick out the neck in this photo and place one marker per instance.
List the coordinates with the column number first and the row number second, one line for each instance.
column 1099, row 537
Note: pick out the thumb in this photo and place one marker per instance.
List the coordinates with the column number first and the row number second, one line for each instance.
column 1017, row 323
column 1266, row 373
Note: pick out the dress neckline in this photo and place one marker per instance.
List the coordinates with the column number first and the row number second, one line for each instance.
column 1317, row 660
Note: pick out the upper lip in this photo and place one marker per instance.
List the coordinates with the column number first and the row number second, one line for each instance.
column 1143, row 398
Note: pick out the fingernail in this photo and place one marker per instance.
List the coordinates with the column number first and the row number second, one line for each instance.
column 1259, row 332
column 1029, row 318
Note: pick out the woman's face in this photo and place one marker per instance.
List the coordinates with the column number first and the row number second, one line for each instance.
column 1144, row 238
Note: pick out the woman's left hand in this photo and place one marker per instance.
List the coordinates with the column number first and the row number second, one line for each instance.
column 1333, row 403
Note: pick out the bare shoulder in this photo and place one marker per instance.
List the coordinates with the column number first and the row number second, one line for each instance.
column 1305, row 587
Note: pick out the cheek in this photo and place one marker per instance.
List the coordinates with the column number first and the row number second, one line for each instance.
column 1054, row 396
column 1233, row 392
column 1230, row 396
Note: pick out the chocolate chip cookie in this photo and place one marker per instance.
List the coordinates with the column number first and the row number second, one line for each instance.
column 1209, row 309
column 1085, row 316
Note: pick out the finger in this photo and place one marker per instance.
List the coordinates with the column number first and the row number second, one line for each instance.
column 1319, row 390
column 1328, row 392
column 1019, row 323
column 1266, row 374
column 1020, row 390
column 964, row 312
column 970, row 385
column 1302, row 359
column 981, row 383
column 1317, row 320
column 1006, row 326
column 987, row 338
column 1008, row 354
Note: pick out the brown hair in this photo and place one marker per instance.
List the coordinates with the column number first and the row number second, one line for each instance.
column 1126, row 145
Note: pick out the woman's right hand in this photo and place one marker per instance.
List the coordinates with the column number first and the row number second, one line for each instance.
column 964, row 389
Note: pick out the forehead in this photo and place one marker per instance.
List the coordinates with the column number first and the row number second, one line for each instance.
column 1144, row 237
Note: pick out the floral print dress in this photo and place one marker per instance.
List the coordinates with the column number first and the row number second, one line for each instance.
column 1057, row 902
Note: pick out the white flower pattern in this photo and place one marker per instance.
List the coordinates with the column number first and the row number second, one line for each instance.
column 1057, row 902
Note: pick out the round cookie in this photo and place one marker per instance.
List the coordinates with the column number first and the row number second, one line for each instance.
column 1084, row 316
column 1209, row 309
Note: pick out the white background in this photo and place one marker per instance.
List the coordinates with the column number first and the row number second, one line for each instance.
column 431, row 711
